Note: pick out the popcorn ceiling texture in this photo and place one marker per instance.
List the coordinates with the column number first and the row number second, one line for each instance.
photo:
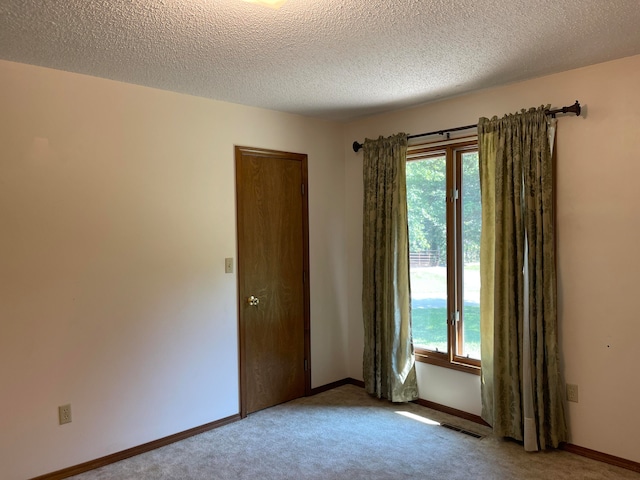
column 333, row 59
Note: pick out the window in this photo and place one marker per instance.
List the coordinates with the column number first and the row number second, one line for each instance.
column 443, row 195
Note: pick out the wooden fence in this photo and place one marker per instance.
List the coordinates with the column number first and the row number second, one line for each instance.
column 430, row 258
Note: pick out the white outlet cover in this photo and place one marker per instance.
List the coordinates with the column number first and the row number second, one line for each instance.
column 64, row 414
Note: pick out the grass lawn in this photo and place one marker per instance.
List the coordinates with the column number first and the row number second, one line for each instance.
column 430, row 328
column 429, row 312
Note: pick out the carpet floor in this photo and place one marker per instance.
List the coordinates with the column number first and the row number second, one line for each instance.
column 346, row 434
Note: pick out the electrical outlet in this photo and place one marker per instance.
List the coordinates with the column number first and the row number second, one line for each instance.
column 228, row 265
column 64, row 414
column 572, row 393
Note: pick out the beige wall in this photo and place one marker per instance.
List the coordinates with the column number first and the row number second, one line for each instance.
column 117, row 209
column 598, row 235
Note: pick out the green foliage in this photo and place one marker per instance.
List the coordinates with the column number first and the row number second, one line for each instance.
column 471, row 207
column 427, row 205
column 426, row 198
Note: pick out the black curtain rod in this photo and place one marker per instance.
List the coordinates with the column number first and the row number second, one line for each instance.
column 575, row 108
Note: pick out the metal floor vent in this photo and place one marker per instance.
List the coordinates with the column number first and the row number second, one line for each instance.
column 461, row 430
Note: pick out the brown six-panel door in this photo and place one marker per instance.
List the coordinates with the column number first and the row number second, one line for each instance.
column 272, row 270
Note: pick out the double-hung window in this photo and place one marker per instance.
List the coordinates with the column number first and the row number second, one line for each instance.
column 443, row 195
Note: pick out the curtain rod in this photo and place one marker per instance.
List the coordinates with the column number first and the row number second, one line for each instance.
column 575, row 108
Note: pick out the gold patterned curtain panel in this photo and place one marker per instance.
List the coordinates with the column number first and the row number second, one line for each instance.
column 388, row 360
column 521, row 383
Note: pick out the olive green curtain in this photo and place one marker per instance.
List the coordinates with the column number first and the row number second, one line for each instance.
column 388, row 360
column 520, row 358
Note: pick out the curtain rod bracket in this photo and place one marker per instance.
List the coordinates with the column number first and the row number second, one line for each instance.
column 575, row 108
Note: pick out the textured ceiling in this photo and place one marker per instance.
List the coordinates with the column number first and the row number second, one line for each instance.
column 334, row 59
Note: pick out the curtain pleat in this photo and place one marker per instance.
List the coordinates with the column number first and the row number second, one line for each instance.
column 388, row 360
column 487, row 146
column 521, row 385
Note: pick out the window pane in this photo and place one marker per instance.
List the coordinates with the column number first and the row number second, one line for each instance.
column 426, row 198
column 471, row 223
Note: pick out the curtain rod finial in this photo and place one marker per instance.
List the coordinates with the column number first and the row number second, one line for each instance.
column 356, row 147
column 578, row 108
column 575, row 108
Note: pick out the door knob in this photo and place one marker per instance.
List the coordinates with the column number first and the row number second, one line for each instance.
column 253, row 301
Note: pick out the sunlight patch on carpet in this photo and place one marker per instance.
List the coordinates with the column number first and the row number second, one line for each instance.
column 418, row 418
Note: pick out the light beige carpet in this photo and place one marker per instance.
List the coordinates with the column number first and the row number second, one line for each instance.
column 346, row 434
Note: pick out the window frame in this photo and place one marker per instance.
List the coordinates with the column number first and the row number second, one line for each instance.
column 453, row 151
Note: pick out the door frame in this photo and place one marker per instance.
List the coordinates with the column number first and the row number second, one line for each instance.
column 302, row 158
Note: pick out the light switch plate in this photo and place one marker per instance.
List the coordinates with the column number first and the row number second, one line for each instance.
column 228, row 265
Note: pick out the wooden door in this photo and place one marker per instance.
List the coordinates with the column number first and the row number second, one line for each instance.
column 272, row 270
